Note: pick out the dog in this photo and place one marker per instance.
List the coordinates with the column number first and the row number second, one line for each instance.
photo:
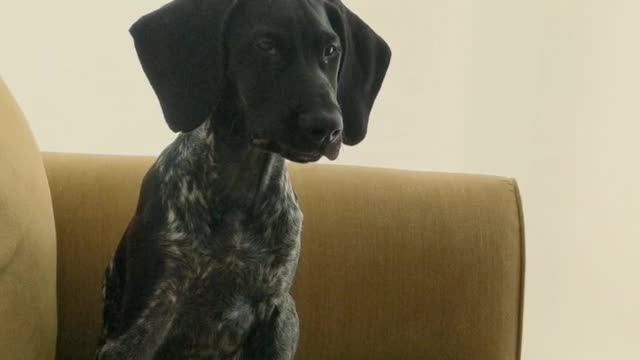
column 204, row 268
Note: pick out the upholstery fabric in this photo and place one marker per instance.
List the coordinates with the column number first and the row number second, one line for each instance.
column 394, row 265
column 27, row 242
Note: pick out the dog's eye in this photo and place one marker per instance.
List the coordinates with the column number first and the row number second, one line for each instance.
column 268, row 46
column 330, row 51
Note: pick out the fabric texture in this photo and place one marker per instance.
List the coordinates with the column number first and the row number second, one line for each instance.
column 394, row 265
column 27, row 242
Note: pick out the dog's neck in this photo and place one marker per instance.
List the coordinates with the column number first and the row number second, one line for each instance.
column 247, row 175
column 236, row 173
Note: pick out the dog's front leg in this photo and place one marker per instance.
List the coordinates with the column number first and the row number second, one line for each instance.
column 147, row 333
column 277, row 337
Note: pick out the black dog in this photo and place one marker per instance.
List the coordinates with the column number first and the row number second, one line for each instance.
column 205, row 267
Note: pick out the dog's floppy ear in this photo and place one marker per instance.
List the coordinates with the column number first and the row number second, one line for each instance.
column 364, row 64
column 180, row 47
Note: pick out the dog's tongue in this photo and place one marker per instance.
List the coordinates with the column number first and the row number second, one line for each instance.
column 332, row 151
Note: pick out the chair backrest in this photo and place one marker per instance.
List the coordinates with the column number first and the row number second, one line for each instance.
column 394, row 264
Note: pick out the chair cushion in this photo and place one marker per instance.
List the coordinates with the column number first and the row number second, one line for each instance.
column 27, row 242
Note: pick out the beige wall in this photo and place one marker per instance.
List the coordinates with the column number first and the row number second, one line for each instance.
column 547, row 91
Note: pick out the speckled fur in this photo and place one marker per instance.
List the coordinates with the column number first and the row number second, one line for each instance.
column 205, row 267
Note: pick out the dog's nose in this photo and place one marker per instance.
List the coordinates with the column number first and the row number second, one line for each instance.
column 322, row 127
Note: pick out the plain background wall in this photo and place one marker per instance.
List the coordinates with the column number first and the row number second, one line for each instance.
column 547, row 91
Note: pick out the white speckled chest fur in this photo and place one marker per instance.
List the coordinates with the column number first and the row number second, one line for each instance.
column 223, row 266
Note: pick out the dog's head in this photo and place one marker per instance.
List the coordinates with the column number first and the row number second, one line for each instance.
column 301, row 75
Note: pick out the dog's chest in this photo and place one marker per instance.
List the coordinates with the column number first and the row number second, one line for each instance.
column 252, row 254
column 256, row 257
column 230, row 276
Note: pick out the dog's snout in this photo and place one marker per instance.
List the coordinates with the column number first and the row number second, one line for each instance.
column 322, row 127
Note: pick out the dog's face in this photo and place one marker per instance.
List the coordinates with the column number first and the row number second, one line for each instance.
column 302, row 74
column 283, row 62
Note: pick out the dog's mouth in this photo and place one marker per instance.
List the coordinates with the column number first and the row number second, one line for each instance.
column 330, row 151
